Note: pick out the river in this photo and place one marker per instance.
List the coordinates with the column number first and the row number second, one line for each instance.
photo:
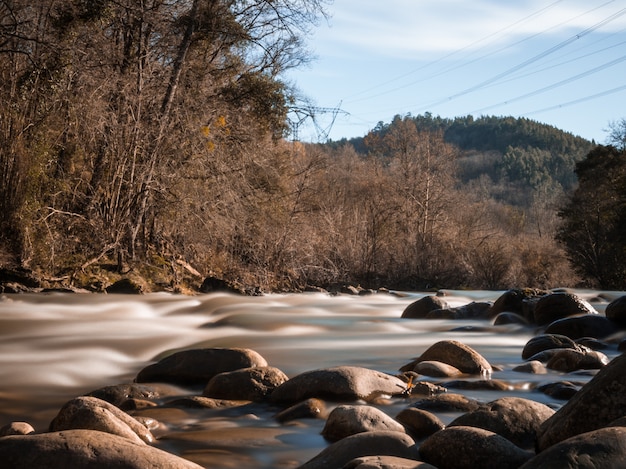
column 56, row 346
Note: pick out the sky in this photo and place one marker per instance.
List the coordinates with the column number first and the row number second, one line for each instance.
column 560, row 62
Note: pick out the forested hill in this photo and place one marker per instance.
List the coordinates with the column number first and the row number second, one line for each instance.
column 525, row 152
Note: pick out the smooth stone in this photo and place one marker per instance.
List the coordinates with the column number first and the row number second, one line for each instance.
column 386, row 462
column 454, row 353
column 481, row 384
column 346, row 420
column 471, row 448
column 308, row 409
column 251, row 384
column 505, row 319
column 598, row 403
column 419, row 423
column 345, row 450
column 201, row 402
column 473, row 310
column 554, row 306
column 514, row 418
column 84, row 449
column 563, row 390
column 436, row 369
column 543, row 342
column 603, row 448
column 533, row 366
column 587, row 325
column 420, row 308
column 566, row 360
column 519, row 301
column 616, row 311
column 119, row 393
column 339, row 383
column 17, row 428
column 449, row 402
column 198, row 366
column 91, row 413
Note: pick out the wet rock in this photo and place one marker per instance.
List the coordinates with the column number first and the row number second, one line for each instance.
column 420, row 308
column 503, row 319
column 587, row 325
column 84, row 449
column 519, row 301
column 198, row 366
column 201, row 402
column 543, row 342
column 599, row 402
column 514, row 418
column 308, row 409
column 560, row 305
column 563, row 390
column 424, row 388
column 17, row 428
column 436, row 369
column 419, row 423
column 364, row 444
column 481, row 384
column 533, row 366
column 91, row 413
column 470, row 447
column 616, row 311
column 456, row 354
column 473, row 310
column 118, row 394
column 566, row 360
column 339, row 383
column 592, row 343
column 126, row 286
column 136, row 404
column 251, row 384
column 386, row 462
column 346, row 420
column 449, row 402
column 603, row 448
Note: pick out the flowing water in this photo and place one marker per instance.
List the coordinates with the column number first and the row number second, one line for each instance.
column 54, row 347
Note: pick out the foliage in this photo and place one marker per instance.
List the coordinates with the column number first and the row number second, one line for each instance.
column 593, row 228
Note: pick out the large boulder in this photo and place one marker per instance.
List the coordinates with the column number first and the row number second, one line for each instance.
column 84, row 449
column 567, row 360
column 339, row 383
column 456, row 354
column 586, row 325
column 603, row 448
column 419, row 309
column 419, row 423
column 363, row 444
column 198, row 366
column 346, row 420
column 91, row 413
column 470, row 448
column 542, row 342
column 598, row 403
column 560, row 305
column 473, row 310
column 616, row 311
column 514, row 418
column 248, row 384
column 519, row 301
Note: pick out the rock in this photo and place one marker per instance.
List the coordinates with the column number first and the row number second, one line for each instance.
column 201, row 402
column 386, row 462
column 436, row 369
column 84, row 449
column 503, row 319
column 120, row 393
column 616, row 311
column 346, row 420
column 198, row 366
column 456, row 354
column 517, row 301
column 603, row 448
column 566, row 360
column 469, row 447
column 543, row 342
column 126, row 286
column 481, row 384
column 419, row 423
column 213, row 284
column 533, row 366
column 514, row 418
column 560, row 305
column 447, row 403
column 473, row 310
column 91, row 413
column 248, row 384
column 598, row 403
column 345, row 450
column 308, row 409
column 587, row 325
column 424, row 388
column 563, row 390
column 420, row 308
column 17, row 428
column 339, row 383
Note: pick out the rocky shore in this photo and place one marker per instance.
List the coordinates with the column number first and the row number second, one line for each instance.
column 129, row 425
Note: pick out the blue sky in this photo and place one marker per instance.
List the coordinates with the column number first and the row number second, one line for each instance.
column 559, row 62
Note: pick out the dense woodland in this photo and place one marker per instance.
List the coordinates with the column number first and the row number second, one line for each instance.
column 151, row 140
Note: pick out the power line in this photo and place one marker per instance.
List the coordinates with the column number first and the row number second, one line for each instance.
column 579, row 100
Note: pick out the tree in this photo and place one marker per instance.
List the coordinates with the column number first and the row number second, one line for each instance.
column 617, row 134
column 593, row 228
